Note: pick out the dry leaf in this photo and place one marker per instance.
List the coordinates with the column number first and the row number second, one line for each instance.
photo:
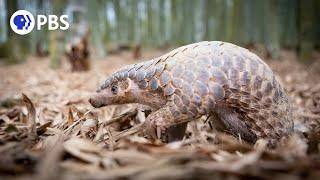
column 31, row 117
column 83, row 149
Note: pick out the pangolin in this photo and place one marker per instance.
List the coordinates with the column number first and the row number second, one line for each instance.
column 216, row 79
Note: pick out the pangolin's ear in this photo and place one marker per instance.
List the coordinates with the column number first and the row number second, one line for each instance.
column 125, row 85
column 128, row 84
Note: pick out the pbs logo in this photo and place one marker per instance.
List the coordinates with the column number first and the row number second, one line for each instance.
column 22, row 22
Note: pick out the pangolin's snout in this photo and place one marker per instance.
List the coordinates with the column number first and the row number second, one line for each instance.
column 96, row 101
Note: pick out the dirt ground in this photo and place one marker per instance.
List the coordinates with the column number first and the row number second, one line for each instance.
column 52, row 131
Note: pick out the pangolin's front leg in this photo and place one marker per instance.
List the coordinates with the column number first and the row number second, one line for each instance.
column 227, row 120
column 167, row 123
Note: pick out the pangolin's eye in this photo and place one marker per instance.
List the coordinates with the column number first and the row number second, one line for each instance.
column 114, row 89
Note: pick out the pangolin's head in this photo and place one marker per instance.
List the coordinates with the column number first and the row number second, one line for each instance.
column 117, row 89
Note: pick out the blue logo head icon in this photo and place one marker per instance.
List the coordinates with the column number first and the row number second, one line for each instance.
column 22, row 22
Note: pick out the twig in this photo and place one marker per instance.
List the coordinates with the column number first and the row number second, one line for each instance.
column 115, row 119
column 128, row 132
column 77, row 122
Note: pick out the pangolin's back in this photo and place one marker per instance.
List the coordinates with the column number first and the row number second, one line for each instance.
column 201, row 77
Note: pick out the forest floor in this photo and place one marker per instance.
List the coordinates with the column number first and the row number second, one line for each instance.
column 52, row 131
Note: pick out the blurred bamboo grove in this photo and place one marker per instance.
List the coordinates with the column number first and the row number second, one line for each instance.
column 161, row 23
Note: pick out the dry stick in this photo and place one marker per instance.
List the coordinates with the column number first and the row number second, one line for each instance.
column 77, row 122
column 115, row 119
column 128, row 132
column 111, row 140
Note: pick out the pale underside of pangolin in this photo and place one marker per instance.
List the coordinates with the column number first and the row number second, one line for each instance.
column 221, row 80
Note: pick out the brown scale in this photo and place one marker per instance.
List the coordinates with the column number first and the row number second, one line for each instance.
column 224, row 81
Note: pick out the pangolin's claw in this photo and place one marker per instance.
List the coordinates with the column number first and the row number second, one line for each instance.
column 154, row 132
column 159, row 133
column 150, row 131
column 162, row 134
